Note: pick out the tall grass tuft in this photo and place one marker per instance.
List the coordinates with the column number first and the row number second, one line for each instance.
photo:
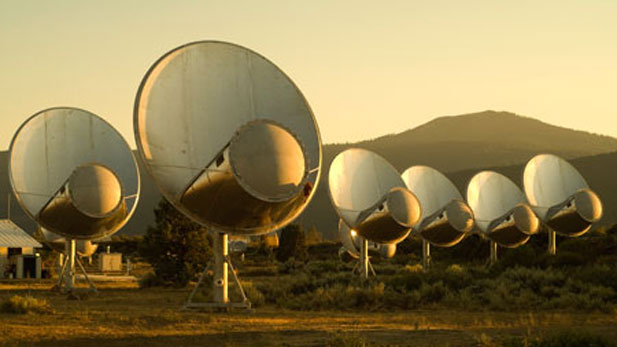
column 18, row 304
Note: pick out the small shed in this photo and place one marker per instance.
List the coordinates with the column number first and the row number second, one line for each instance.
column 18, row 258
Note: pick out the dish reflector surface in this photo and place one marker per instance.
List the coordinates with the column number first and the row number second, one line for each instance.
column 432, row 188
column 352, row 243
column 445, row 217
column 68, row 145
column 549, row 181
column 491, row 195
column 359, row 180
column 209, row 103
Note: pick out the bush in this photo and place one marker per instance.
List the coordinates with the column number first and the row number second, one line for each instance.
column 25, row 304
column 177, row 248
column 569, row 338
column 292, row 244
column 152, row 280
column 254, row 295
column 346, row 340
column 572, row 338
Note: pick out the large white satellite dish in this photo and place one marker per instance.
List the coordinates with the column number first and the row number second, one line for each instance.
column 560, row 196
column 446, row 218
column 83, row 248
column 501, row 211
column 352, row 246
column 73, row 174
column 371, row 198
column 229, row 140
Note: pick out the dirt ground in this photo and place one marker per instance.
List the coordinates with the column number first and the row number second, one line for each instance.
column 123, row 315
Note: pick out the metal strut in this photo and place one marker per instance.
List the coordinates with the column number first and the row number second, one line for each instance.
column 81, row 266
column 220, row 284
column 426, row 255
column 66, row 277
column 552, row 242
column 493, row 256
column 363, row 266
column 60, row 275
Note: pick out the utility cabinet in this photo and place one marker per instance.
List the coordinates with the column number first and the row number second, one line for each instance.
column 110, row 262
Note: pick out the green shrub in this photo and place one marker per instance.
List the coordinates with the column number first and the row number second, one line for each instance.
column 292, row 244
column 406, row 282
column 177, row 248
column 254, row 295
column 569, row 338
column 603, row 275
column 572, row 338
column 346, row 340
column 25, row 304
column 433, row 293
column 152, row 280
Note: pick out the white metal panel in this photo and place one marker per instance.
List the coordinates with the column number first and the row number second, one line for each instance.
column 490, row 195
column 432, row 188
column 549, row 181
column 358, row 180
column 194, row 99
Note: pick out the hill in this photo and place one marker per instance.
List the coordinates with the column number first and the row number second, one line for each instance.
column 457, row 145
column 462, row 145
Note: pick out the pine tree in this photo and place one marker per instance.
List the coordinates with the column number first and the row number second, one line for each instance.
column 292, row 244
column 177, row 248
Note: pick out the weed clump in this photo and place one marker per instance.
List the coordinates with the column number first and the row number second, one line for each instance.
column 346, row 340
column 570, row 338
column 18, row 304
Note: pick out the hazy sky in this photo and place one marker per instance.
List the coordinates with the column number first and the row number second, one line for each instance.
column 367, row 68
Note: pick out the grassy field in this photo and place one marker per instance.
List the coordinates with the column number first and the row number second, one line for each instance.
column 124, row 315
column 526, row 299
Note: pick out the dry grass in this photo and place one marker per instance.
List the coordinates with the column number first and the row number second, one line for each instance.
column 122, row 315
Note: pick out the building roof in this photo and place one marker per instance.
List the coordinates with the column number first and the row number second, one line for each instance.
column 13, row 236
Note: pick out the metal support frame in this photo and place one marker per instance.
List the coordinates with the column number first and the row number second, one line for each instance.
column 364, row 267
column 364, row 260
column 426, row 255
column 220, row 284
column 493, row 256
column 552, row 242
column 66, row 276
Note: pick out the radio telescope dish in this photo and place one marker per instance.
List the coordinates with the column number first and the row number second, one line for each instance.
column 501, row 209
column 74, row 175
column 446, row 218
column 83, row 248
column 561, row 197
column 230, row 141
column 352, row 246
column 228, row 137
column 371, row 198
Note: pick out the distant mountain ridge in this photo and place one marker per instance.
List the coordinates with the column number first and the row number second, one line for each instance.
column 470, row 142
column 457, row 145
column 481, row 139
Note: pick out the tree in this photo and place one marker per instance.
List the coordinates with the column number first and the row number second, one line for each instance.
column 292, row 244
column 313, row 237
column 176, row 247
